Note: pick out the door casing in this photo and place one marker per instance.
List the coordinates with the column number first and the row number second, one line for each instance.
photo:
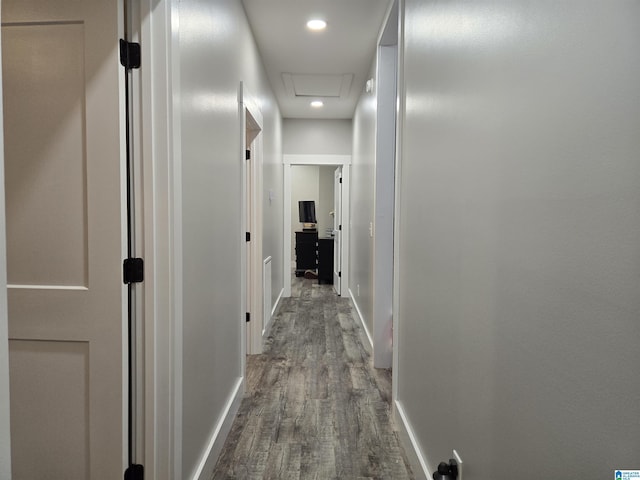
column 335, row 160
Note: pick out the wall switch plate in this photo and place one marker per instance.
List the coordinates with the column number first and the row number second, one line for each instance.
column 459, row 460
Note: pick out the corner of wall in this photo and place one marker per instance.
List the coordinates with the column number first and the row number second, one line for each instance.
column 421, row 468
column 210, row 456
column 361, row 318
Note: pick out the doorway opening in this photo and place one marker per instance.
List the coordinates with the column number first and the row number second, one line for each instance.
column 383, row 236
column 252, row 186
column 341, row 163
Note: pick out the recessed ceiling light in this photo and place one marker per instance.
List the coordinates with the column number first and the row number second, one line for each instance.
column 316, row 24
column 317, row 104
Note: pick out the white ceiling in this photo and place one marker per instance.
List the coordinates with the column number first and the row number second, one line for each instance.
column 332, row 65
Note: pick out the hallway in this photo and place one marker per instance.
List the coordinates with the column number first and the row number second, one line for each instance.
column 314, row 407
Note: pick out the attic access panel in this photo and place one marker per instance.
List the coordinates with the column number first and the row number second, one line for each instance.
column 309, row 85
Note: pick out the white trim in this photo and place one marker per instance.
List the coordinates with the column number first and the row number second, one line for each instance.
column 174, row 137
column 47, row 287
column 161, row 190
column 244, row 227
column 419, row 464
column 335, row 160
column 384, row 183
column 267, row 330
column 286, row 236
column 361, row 318
column 345, row 248
column 124, row 325
column 266, row 296
column 397, row 324
column 277, row 304
column 5, row 436
column 220, row 431
column 316, row 159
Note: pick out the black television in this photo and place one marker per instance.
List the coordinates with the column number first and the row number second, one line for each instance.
column 307, row 211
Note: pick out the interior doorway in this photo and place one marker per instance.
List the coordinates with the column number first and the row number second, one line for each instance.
column 383, row 237
column 342, row 162
column 252, row 186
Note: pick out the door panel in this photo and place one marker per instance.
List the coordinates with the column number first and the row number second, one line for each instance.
column 42, row 371
column 48, row 185
column 337, row 222
column 61, row 80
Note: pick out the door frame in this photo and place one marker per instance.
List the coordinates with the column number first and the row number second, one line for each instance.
column 384, row 203
column 161, row 199
column 5, row 435
column 251, row 267
column 343, row 161
column 337, row 230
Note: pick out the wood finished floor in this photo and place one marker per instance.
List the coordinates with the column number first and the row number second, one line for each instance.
column 314, row 408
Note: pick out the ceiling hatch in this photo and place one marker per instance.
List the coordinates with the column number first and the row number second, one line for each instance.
column 309, row 85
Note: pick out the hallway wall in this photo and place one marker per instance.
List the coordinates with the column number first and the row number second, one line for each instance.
column 217, row 51
column 519, row 254
column 273, row 203
column 315, row 137
column 362, row 204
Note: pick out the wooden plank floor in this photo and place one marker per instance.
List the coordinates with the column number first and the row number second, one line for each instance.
column 314, row 408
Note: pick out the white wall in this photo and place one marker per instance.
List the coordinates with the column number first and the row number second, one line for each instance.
column 314, row 137
column 362, row 205
column 519, row 254
column 217, row 51
column 273, row 205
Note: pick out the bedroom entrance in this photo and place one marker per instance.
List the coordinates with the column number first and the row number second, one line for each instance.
column 327, row 215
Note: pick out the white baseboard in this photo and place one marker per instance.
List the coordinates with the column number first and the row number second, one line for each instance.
column 421, row 468
column 219, row 435
column 265, row 330
column 364, row 325
column 277, row 304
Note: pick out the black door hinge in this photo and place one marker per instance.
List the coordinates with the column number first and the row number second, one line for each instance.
column 340, row 179
column 340, row 227
column 129, row 54
column 134, row 472
column 133, row 270
column 247, row 155
column 339, row 274
column 247, row 236
column 248, row 317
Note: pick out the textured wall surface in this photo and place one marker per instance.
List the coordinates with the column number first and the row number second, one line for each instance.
column 315, row 137
column 519, row 253
column 212, row 207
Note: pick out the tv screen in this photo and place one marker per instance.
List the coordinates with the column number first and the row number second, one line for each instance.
column 307, row 211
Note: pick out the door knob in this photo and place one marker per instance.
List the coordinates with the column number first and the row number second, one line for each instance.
column 446, row 471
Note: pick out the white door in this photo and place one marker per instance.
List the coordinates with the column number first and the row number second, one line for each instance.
column 249, row 265
column 61, row 87
column 337, row 229
column 254, row 287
